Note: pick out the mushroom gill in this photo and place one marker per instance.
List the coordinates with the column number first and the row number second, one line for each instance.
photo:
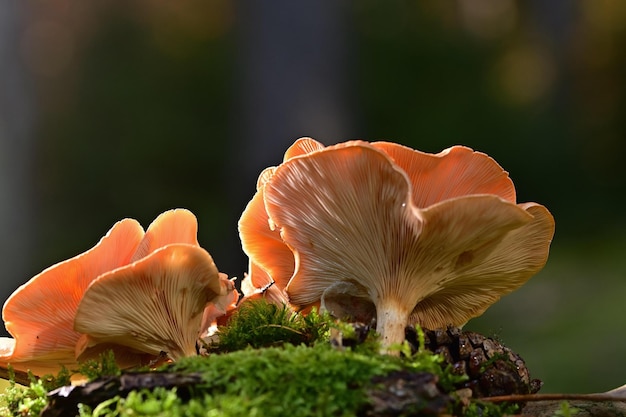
column 154, row 305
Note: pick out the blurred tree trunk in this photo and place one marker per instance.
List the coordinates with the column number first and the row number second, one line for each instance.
column 16, row 143
column 293, row 81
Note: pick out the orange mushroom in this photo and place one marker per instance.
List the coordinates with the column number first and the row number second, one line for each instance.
column 381, row 230
column 40, row 314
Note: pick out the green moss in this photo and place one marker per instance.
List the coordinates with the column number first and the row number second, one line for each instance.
column 166, row 403
column 28, row 401
column 299, row 380
column 261, row 324
column 23, row 401
column 314, row 380
column 105, row 365
column 18, row 400
column 269, row 362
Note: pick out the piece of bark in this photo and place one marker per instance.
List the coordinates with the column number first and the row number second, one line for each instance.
column 64, row 401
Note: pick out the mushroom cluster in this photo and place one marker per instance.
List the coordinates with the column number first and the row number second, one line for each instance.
column 381, row 231
column 141, row 294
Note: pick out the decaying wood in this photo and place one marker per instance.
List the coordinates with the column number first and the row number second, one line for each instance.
column 64, row 401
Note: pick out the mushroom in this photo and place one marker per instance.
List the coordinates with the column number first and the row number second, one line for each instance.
column 40, row 314
column 384, row 231
column 154, row 305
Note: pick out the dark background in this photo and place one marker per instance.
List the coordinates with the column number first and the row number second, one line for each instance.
column 127, row 109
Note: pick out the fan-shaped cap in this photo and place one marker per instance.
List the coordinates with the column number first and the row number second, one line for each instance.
column 269, row 256
column 349, row 213
column 172, row 226
column 271, row 261
column 454, row 172
column 155, row 304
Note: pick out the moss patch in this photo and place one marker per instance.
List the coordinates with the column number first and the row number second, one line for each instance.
column 268, row 362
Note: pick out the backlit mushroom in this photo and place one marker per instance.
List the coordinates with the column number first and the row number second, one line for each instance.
column 154, row 305
column 405, row 236
column 40, row 314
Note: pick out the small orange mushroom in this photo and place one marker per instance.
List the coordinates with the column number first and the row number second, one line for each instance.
column 381, row 230
column 40, row 314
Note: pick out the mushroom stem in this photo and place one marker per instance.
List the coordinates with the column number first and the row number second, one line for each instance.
column 391, row 319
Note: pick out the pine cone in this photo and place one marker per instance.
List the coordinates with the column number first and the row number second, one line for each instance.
column 493, row 368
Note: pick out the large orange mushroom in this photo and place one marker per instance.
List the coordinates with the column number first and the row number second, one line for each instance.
column 382, row 231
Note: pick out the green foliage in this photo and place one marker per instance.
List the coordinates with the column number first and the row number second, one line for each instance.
column 166, row 403
column 50, row 382
column 105, row 365
column 261, row 324
column 299, row 380
column 158, row 402
column 21, row 401
column 315, row 381
column 28, row 401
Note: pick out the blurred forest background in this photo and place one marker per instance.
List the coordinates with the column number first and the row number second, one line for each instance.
column 127, row 109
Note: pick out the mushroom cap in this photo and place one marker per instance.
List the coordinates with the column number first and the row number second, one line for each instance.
column 153, row 305
column 269, row 256
column 172, row 226
column 454, row 172
column 271, row 261
column 350, row 213
column 40, row 313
